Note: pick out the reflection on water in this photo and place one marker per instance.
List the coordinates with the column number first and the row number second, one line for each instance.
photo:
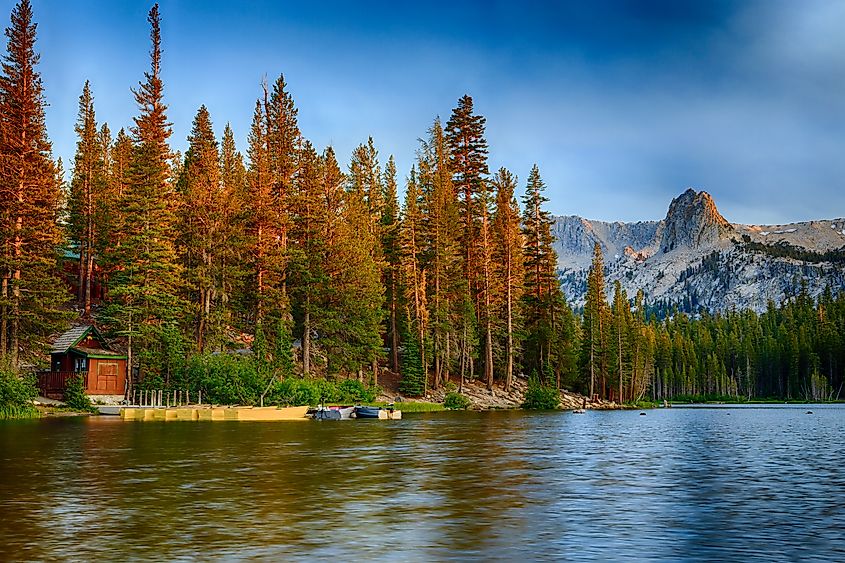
column 678, row 484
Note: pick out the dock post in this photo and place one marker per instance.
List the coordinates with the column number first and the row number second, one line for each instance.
column 200, row 399
column 187, row 396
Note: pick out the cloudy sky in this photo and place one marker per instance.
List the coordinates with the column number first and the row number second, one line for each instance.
column 623, row 104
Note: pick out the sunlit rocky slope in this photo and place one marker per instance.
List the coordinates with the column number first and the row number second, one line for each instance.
column 695, row 258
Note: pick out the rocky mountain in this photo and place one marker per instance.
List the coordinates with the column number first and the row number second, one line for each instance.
column 695, row 258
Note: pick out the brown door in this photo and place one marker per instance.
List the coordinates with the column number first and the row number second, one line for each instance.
column 107, row 377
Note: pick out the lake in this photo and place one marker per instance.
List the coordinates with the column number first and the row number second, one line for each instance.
column 704, row 484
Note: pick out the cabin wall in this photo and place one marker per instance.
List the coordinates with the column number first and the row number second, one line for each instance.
column 106, row 376
column 65, row 362
column 90, row 342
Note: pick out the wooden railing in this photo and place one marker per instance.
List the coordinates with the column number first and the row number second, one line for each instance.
column 52, row 384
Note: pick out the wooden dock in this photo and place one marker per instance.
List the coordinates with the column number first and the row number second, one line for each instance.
column 208, row 412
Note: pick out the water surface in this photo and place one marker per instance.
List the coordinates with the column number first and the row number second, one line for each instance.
column 677, row 484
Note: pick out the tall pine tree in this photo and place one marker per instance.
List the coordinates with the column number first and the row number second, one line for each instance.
column 86, row 193
column 31, row 293
column 145, row 286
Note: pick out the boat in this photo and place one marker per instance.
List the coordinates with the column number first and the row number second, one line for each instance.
column 579, row 411
column 332, row 413
column 367, row 412
column 377, row 412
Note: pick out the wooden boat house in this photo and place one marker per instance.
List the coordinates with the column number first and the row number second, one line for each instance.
column 82, row 351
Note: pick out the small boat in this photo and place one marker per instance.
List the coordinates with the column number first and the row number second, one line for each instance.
column 377, row 412
column 367, row 412
column 579, row 411
column 332, row 413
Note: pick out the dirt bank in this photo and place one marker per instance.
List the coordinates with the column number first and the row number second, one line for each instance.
column 484, row 399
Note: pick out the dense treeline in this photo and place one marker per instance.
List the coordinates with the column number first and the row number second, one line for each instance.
column 321, row 272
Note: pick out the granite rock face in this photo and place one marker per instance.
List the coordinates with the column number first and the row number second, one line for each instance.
column 694, row 258
column 693, row 221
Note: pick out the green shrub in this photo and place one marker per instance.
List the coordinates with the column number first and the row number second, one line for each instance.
column 540, row 396
column 295, row 391
column 413, row 373
column 75, row 397
column 298, row 391
column 455, row 400
column 353, row 391
column 224, row 379
column 16, row 394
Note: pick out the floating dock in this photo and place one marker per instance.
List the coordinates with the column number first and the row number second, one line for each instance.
column 200, row 412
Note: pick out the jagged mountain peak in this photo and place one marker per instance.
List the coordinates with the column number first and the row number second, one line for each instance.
column 693, row 220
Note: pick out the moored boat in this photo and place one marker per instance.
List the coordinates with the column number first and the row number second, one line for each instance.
column 367, row 412
column 332, row 413
column 377, row 412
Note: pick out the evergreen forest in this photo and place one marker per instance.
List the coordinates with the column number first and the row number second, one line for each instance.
column 319, row 266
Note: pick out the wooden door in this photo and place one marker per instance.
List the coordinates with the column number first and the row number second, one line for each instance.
column 107, row 377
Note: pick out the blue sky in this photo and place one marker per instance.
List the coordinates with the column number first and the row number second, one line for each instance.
column 623, row 104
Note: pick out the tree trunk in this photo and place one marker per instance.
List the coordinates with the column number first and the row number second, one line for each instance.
column 592, row 358
column 306, row 340
column 89, row 270
column 83, row 267
column 394, row 329
column 508, row 278
column 16, row 292
column 201, row 324
column 619, row 354
column 4, row 315
column 129, row 382
column 488, row 356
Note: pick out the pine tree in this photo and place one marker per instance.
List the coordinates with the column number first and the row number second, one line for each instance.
column 111, row 215
column 352, row 320
column 307, row 252
column 620, row 336
column 265, row 233
column 86, row 193
column 392, row 258
column 486, row 280
column 509, row 275
column 282, row 139
column 595, row 322
column 542, row 290
column 144, row 288
column 202, row 227
column 468, row 163
column 365, row 179
column 31, row 293
column 441, row 250
column 413, row 274
column 365, row 187
column 233, row 270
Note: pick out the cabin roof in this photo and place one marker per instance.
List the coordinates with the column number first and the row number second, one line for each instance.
column 72, row 337
column 98, row 352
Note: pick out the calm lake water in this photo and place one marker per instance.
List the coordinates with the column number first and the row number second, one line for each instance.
column 678, row 484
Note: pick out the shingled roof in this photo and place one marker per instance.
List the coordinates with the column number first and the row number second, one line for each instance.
column 66, row 341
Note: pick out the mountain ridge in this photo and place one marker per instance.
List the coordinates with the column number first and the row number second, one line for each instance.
column 694, row 257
